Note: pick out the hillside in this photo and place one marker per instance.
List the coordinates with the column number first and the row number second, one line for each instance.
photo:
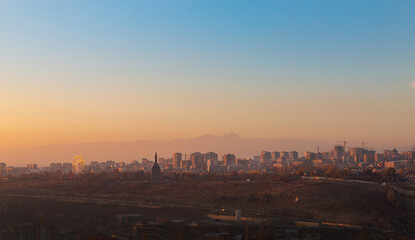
column 331, row 201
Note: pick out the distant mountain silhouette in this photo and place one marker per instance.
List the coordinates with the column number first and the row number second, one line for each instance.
column 127, row 151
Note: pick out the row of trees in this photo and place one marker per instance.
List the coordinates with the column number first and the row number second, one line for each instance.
column 285, row 174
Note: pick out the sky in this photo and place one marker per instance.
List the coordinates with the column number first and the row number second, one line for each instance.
column 91, row 71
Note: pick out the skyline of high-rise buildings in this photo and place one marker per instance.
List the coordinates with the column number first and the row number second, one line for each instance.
column 216, row 145
column 208, row 120
column 358, row 158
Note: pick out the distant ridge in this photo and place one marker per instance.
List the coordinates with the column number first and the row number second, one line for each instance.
column 135, row 150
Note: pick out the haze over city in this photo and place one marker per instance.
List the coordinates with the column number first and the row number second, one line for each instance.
column 86, row 72
column 207, row 120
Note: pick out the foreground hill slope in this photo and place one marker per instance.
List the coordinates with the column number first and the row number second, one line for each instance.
column 363, row 204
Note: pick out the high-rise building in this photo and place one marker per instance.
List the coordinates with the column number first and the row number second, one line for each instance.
column 338, row 152
column 212, row 158
column 197, row 160
column 358, row 154
column 275, row 155
column 379, row 157
column 294, row 155
column 387, row 154
column 94, row 166
column 177, row 159
column 410, row 155
column 186, row 164
column 265, row 157
column 56, row 166
column 209, row 164
column 244, row 162
column 161, row 161
column 369, row 156
column 145, row 161
column 32, row 166
column 285, row 155
column 229, row 159
column 309, row 157
column 395, row 154
column 110, row 164
column 3, row 169
column 120, row 164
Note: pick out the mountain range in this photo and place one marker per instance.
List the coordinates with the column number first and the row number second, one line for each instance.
column 136, row 150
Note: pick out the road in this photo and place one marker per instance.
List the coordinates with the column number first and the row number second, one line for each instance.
column 103, row 201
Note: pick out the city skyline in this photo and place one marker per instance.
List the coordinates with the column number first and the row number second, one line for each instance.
column 79, row 72
column 136, row 150
column 209, row 119
column 341, row 156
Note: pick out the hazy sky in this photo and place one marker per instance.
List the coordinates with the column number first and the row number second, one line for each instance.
column 85, row 71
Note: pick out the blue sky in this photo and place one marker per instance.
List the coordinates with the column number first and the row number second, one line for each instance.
column 265, row 38
column 341, row 58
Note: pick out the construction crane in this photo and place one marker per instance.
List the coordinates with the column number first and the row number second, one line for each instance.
column 344, row 144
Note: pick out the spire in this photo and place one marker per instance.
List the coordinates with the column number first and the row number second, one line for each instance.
column 155, row 171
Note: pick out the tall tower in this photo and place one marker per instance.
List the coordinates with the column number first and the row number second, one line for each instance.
column 155, row 171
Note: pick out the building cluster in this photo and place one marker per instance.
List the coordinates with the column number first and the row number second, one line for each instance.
column 355, row 158
column 358, row 158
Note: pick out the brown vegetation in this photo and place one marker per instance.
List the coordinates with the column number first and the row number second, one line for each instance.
column 284, row 195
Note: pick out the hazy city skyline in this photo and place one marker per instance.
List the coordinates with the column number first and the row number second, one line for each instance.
column 144, row 149
column 76, row 72
column 207, row 120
